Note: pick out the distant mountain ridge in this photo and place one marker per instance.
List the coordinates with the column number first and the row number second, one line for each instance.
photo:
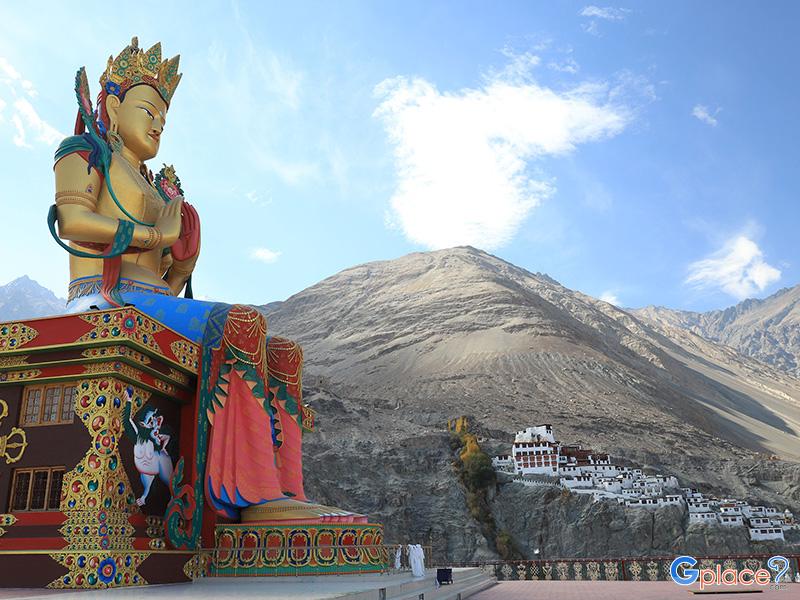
column 768, row 329
column 23, row 298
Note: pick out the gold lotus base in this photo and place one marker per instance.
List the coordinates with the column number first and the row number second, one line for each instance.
column 291, row 510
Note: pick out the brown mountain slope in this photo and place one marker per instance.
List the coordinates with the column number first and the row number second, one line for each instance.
column 767, row 329
column 393, row 349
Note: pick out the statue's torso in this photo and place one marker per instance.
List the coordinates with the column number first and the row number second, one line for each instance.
column 142, row 201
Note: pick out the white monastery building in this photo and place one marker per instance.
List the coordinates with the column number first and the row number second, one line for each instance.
column 538, row 459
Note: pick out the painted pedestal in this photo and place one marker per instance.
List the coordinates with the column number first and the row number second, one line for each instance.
column 68, row 482
column 73, row 507
column 292, row 548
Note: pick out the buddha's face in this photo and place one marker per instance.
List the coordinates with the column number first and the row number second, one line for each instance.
column 140, row 119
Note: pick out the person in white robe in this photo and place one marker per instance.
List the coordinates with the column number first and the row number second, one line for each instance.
column 417, row 560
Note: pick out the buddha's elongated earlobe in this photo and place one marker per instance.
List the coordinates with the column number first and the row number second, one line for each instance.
column 112, row 109
column 114, row 139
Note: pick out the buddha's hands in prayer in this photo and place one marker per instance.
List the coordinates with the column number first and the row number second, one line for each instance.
column 169, row 222
column 189, row 240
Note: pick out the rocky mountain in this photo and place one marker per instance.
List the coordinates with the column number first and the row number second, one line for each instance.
column 23, row 298
column 767, row 329
column 393, row 349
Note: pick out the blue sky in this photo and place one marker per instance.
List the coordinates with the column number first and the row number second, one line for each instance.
column 645, row 152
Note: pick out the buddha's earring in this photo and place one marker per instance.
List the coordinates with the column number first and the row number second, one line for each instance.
column 114, row 139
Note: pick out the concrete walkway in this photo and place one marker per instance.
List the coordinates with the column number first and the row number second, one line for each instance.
column 324, row 587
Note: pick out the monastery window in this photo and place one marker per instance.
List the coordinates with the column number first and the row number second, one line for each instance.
column 36, row 489
column 49, row 405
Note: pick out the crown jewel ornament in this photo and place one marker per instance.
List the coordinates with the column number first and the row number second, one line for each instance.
column 134, row 66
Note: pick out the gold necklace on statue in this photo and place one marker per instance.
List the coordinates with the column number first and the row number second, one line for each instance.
column 150, row 193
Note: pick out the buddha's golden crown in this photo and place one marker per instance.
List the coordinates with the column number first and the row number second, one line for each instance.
column 134, row 66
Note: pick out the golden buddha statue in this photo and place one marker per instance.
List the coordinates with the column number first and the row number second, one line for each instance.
column 133, row 240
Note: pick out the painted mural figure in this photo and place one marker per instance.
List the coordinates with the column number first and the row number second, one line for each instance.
column 150, row 449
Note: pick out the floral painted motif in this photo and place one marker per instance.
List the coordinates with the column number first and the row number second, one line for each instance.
column 106, row 570
column 112, row 88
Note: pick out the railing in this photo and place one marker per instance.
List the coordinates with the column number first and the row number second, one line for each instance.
column 641, row 568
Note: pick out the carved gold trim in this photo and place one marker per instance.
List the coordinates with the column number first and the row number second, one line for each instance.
column 186, row 353
column 307, row 415
column 142, row 329
column 21, row 375
column 7, row 520
column 181, row 378
column 116, row 352
column 97, row 497
column 19, row 443
column 13, row 361
column 113, row 368
column 15, row 335
column 189, row 347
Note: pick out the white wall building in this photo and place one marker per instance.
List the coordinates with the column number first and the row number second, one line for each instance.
column 766, row 533
column 540, row 433
column 702, row 517
column 731, row 520
column 698, row 505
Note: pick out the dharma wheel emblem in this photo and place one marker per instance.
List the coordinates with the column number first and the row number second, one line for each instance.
column 15, row 442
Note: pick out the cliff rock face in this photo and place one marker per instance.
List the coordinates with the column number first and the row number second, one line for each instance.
column 561, row 525
column 768, row 329
column 395, row 348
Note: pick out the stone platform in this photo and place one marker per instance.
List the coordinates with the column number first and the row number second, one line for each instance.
column 397, row 586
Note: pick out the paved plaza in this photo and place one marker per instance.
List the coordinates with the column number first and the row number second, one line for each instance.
column 624, row 590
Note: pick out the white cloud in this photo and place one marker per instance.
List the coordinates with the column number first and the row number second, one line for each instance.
column 610, row 297
column 591, row 27
column 291, row 172
column 738, row 268
column 609, row 13
column 606, row 13
column 265, row 255
column 8, row 71
column 701, row 112
column 567, row 66
column 519, row 67
column 255, row 198
column 464, row 160
column 29, row 89
column 25, row 119
column 19, row 136
column 43, row 131
column 259, row 82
